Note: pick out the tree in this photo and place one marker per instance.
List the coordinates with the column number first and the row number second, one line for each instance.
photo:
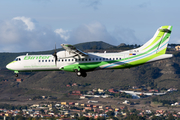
column 133, row 110
column 135, row 117
column 55, row 111
column 29, row 118
column 100, row 118
column 42, row 111
column 157, row 118
column 110, row 113
column 83, row 118
column 19, row 117
column 92, row 118
column 171, row 117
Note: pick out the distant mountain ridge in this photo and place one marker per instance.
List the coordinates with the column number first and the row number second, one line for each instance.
column 93, row 45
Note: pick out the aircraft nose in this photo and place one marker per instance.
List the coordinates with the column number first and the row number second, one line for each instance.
column 8, row 66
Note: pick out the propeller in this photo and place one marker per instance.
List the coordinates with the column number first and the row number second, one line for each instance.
column 55, row 54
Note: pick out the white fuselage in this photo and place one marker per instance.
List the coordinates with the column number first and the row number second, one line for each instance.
column 47, row 62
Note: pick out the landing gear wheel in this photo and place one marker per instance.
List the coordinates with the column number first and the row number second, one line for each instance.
column 16, row 75
column 84, row 74
column 80, row 73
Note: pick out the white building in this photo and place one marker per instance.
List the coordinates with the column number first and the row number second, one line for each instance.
column 126, row 102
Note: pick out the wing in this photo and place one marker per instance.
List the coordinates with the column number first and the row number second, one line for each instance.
column 74, row 50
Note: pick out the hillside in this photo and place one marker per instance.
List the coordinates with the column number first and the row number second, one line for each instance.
column 158, row 75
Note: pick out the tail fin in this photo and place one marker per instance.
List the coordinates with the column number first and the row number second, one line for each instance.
column 158, row 42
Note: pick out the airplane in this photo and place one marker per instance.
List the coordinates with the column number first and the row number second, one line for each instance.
column 75, row 60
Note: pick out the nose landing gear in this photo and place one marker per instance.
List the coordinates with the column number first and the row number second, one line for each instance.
column 16, row 75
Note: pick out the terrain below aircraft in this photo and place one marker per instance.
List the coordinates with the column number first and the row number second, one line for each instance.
column 74, row 60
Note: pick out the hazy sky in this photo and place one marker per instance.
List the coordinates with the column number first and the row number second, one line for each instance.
column 36, row 25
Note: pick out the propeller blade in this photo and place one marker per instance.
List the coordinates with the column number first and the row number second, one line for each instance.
column 55, row 54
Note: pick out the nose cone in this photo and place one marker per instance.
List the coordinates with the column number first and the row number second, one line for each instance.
column 8, row 66
column 11, row 66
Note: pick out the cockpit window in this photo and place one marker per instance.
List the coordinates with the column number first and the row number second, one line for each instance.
column 17, row 59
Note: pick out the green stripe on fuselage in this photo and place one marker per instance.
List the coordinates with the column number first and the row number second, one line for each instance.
column 87, row 66
column 137, row 62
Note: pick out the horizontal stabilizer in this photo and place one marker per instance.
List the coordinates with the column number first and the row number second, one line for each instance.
column 164, row 56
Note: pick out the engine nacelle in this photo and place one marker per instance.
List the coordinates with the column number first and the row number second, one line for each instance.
column 64, row 54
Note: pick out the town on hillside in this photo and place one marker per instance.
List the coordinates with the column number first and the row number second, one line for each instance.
column 97, row 104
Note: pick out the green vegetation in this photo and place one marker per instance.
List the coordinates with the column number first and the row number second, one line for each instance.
column 147, row 73
column 120, row 94
column 164, row 102
column 134, row 117
column 13, row 107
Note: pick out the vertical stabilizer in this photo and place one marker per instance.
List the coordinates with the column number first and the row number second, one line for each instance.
column 158, row 42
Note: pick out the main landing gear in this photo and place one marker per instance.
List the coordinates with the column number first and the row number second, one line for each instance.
column 80, row 73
